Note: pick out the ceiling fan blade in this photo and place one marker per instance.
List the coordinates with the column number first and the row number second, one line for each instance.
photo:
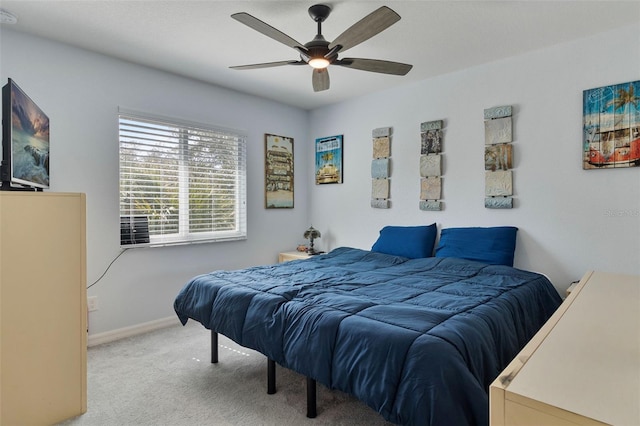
column 267, row 65
column 372, row 24
column 320, row 79
column 267, row 30
column 375, row 65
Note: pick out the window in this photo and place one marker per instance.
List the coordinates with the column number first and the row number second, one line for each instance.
column 185, row 181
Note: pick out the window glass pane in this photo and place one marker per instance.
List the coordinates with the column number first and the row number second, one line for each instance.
column 188, row 181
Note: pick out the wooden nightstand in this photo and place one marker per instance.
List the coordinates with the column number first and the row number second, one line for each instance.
column 292, row 255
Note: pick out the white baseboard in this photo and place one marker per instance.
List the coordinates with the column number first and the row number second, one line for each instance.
column 121, row 333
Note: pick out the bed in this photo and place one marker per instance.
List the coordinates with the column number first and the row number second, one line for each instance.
column 417, row 338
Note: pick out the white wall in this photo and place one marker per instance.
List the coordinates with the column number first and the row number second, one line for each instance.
column 81, row 92
column 570, row 220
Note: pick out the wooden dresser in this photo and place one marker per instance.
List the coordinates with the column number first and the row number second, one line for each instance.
column 583, row 366
column 43, row 313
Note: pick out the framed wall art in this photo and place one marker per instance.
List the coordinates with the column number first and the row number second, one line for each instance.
column 329, row 160
column 278, row 167
column 381, row 168
column 611, row 126
column 431, row 159
column 498, row 157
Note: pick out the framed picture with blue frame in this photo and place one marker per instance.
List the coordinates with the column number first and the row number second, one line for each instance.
column 329, row 160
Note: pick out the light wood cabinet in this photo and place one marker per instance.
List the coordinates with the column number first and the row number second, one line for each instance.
column 43, row 314
column 583, row 366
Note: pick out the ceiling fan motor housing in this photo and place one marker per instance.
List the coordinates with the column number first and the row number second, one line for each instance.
column 319, row 47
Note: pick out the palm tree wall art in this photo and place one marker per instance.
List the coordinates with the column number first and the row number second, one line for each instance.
column 611, row 126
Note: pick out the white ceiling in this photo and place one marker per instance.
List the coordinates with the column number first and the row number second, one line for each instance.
column 199, row 39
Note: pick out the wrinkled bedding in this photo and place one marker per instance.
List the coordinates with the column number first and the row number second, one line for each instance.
column 418, row 340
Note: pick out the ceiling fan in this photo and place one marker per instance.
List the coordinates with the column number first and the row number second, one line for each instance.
column 319, row 53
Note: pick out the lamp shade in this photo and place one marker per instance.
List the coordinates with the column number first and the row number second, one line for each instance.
column 312, row 233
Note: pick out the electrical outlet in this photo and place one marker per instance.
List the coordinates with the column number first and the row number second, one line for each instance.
column 92, row 303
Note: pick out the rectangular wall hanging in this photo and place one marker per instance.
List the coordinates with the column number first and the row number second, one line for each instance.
column 498, row 202
column 498, row 157
column 497, row 130
column 379, row 203
column 329, row 160
column 498, row 183
column 381, row 168
column 430, row 188
column 430, row 205
column 381, row 147
column 431, row 138
column 380, row 189
column 430, row 165
column 278, row 172
column 611, row 126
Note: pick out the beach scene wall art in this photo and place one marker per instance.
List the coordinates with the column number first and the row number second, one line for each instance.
column 611, row 126
column 329, row 160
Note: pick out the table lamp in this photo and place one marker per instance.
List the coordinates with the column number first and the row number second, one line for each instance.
column 312, row 234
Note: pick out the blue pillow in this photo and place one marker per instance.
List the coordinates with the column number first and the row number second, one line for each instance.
column 494, row 246
column 407, row 241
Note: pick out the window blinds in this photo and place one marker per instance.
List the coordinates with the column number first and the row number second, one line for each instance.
column 187, row 179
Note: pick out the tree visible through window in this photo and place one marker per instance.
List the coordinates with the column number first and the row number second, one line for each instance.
column 187, row 180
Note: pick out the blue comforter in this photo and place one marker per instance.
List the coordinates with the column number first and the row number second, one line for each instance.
column 418, row 340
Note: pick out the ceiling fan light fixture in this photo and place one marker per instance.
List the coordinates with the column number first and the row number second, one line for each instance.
column 320, row 53
column 319, row 63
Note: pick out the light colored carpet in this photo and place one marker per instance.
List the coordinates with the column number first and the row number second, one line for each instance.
column 165, row 378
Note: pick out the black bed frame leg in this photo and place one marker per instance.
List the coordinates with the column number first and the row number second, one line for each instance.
column 271, row 376
column 214, row 347
column 311, row 398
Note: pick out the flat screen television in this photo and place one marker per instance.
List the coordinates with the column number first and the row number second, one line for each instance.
column 25, row 141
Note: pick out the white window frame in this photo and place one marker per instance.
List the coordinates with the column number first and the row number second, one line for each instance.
column 232, row 141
